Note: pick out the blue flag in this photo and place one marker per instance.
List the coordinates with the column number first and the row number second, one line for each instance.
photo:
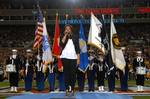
column 83, row 50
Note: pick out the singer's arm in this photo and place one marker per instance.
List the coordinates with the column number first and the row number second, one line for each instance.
column 63, row 41
column 64, row 38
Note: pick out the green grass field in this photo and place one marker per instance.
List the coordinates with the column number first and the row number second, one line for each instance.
column 21, row 83
column 2, row 97
column 141, row 97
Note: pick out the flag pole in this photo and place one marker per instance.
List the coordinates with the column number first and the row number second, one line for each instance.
column 82, row 18
column 38, row 48
column 37, row 4
column 66, row 18
column 38, row 42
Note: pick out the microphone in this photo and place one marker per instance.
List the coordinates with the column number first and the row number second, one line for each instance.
column 69, row 34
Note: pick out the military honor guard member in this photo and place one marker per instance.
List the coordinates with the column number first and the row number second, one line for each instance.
column 124, row 76
column 13, row 66
column 29, row 66
column 100, row 69
column 70, row 57
column 91, row 71
column 39, row 73
column 140, row 70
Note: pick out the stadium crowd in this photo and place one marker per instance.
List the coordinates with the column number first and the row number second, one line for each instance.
column 130, row 34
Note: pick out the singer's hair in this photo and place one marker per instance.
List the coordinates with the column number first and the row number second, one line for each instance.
column 68, row 25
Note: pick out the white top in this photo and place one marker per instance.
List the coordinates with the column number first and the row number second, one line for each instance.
column 69, row 51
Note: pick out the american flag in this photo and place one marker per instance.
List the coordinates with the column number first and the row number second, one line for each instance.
column 39, row 30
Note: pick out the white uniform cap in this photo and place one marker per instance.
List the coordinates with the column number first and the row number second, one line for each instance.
column 28, row 50
column 139, row 52
column 123, row 48
column 14, row 50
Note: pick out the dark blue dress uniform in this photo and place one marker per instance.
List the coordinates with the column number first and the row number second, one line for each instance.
column 140, row 70
column 51, row 77
column 80, row 79
column 124, row 76
column 29, row 64
column 14, row 76
column 91, row 73
column 39, row 74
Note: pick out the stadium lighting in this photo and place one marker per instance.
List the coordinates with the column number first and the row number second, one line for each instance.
column 73, row 1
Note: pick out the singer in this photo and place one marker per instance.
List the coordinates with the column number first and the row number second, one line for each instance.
column 70, row 57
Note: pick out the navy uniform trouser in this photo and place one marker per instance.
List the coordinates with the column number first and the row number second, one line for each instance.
column 123, row 80
column 13, row 79
column 40, row 80
column 28, row 81
column 100, row 78
column 140, row 80
column 61, row 81
column 81, row 80
column 111, row 81
column 91, row 78
column 51, row 81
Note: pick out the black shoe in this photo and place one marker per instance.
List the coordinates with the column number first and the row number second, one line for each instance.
column 27, row 90
column 81, row 90
column 91, row 90
column 124, row 90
